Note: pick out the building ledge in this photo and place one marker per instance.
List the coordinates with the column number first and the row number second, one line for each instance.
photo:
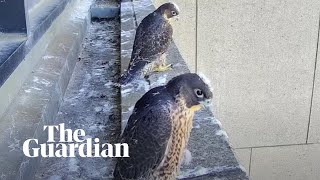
column 212, row 156
column 39, row 19
column 38, row 99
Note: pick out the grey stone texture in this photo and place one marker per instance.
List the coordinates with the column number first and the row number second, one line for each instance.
column 212, row 156
column 17, row 57
column 244, row 158
column 261, row 57
column 105, row 9
column 38, row 100
column 91, row 103
column 314, row 131
column 286, row 162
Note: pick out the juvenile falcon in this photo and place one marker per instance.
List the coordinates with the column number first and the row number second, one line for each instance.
column 158, row 130
column 152, row 39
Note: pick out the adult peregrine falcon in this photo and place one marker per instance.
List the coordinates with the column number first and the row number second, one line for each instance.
column 152, row 39
column 158, row 130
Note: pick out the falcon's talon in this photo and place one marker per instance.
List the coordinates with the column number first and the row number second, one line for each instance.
column 179, row 172
column 148, row 81
column 162, row 68
column 146, row 77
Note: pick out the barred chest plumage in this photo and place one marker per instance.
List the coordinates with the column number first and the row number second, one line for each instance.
column 182, row 118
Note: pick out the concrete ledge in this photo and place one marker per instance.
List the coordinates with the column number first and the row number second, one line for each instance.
column 91, row 103
column 39, row 20
column 104, row 12
column 105, row 9
column 212, row 156
column 39, row 98
column 18, row 55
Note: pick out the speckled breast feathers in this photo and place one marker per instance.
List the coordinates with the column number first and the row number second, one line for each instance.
column 181, row 118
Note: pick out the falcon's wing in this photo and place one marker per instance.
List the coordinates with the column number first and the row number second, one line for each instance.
column 147, row 134
column 153, row 37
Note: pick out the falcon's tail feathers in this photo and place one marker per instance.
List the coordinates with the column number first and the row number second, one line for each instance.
column 133, row 72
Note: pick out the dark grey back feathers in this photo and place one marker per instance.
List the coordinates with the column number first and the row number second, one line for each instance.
column 152, row 39
column 147, row 133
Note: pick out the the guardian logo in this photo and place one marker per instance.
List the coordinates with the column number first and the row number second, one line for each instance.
column 71, row 144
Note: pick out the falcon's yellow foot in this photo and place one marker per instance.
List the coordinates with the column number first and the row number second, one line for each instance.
column 179, row 172
column 161, row 68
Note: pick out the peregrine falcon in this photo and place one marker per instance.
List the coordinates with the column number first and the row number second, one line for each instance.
column 152, row 39
column 158, row 130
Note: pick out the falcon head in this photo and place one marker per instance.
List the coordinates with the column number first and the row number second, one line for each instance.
column 169, row 10
column 194, row 89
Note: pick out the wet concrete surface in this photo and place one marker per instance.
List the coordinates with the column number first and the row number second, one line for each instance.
column 91, row 103
column 108, row 3
column 105, row 9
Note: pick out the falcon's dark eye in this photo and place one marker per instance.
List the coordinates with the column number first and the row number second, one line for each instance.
column 199, row 93
column 173, row 13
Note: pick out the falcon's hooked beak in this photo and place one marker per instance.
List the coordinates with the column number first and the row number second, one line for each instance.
column 203, row 104
column 174, row 18
column 206, row 103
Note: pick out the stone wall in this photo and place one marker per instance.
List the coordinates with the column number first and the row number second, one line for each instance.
column 261, row 57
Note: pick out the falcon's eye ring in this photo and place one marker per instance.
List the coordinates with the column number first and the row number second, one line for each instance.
column 199, row 93
column 173, row 13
